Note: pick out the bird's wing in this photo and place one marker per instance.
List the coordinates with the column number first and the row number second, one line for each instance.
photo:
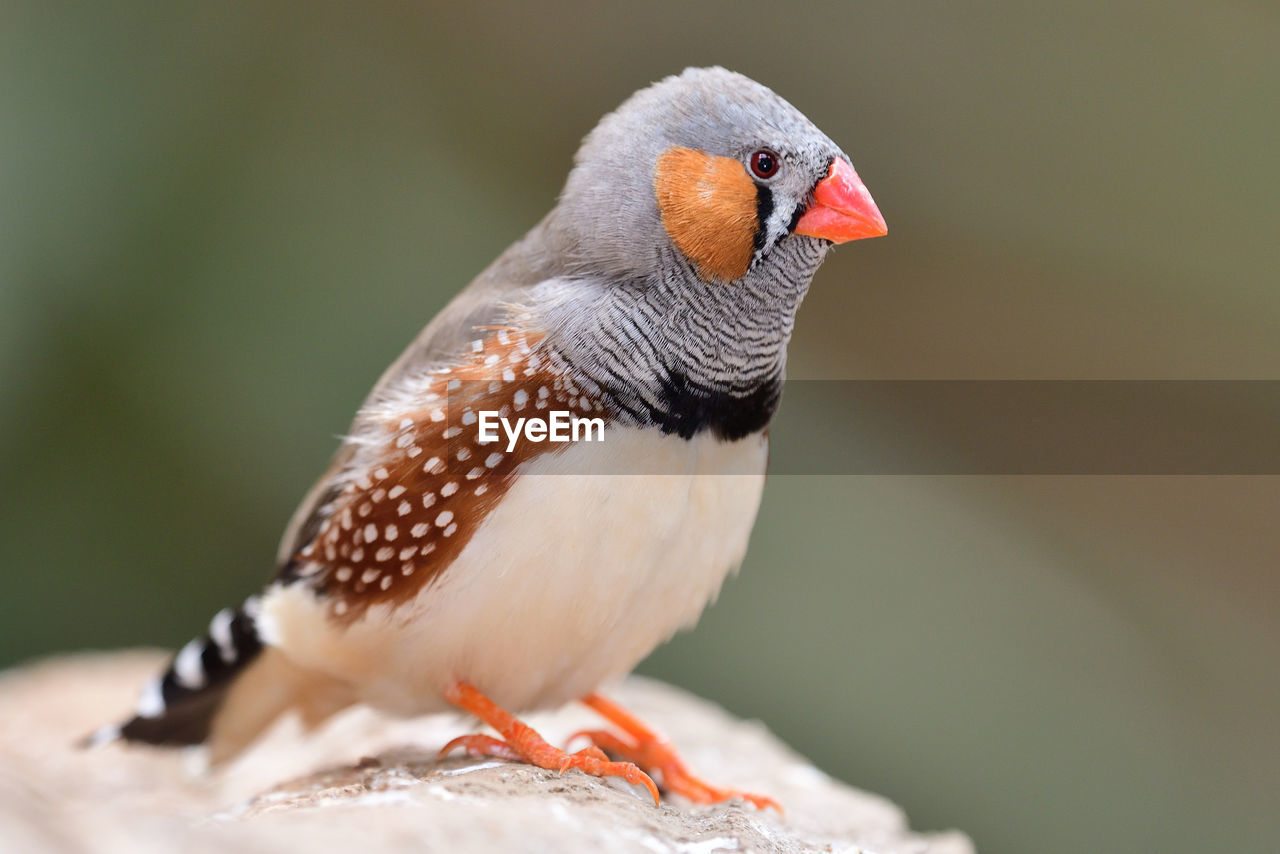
column 422, row 476
column 483, row 304
column 413, row 479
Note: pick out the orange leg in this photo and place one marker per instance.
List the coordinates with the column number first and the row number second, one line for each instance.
column 519, row 742
column 652, row 752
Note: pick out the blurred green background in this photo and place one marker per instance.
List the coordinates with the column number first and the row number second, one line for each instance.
column 219, row 222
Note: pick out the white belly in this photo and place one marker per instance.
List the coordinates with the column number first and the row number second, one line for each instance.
column 568, row 583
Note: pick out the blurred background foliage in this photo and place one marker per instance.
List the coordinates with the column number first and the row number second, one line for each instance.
column 219, row 222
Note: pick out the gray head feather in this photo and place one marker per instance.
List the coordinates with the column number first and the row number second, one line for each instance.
column 608, row 222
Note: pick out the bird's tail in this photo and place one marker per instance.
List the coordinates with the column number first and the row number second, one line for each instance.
column 178, row 706
column 224, row 688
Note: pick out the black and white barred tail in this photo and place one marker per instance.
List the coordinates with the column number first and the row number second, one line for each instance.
column 178, row 706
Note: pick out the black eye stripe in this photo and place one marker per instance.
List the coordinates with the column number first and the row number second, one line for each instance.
column 764, row 209
column 795, row 218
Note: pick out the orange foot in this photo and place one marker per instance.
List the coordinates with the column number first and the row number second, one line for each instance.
column 520, row 743
column 652, row 752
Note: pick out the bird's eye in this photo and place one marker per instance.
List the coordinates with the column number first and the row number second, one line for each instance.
column 764, row 163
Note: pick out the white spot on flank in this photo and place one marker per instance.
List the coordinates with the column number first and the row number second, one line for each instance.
column 521, row 398
column 428, row 500
column 408, row 552
column 543, row 394
column 363, row 482
column 445, row 517
column 419, row 529
column 370, row 575
column 405, row 440
column 454, row 385
column 493, row 459
column 365, row 508
column 449, row 489
column 343, row 574
column 448, row 532
column 475, row 473
column 187, row 666
column 384, row 554
column 330, row 553
column 404, row 508
column 378, row 495
column 429, row 466
column 370, row 532
column 385, row 582
column 414, row 451
column 464, row 454
column 339, row 607
column 406, row 423
column 482, row 489
column 437, row 415
column 407, row 569
column 428, row 549
column 391, row 532
column 451, row 432
column 381, row 473
column 477, row 345
column 491, row 359
column 508, row 375
column 346, row 519
column 468, row 418
column 396, row 491
column 503, row 337
column 357, row 554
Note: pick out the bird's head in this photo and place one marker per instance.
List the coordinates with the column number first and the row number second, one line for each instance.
column 715, row 167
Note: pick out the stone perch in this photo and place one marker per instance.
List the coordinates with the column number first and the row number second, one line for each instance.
column 364, row 783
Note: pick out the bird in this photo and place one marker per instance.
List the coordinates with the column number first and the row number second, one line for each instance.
column 443, row 564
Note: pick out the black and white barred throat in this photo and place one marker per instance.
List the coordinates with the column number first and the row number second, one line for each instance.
column 683, row 353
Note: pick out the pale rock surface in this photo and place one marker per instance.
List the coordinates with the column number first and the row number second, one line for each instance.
column 363, row 783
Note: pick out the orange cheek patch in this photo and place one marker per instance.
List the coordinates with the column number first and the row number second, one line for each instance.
column 708, row 207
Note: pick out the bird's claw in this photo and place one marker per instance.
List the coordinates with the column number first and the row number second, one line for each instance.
column 520, row 743
column 481, row 745
column 646, row 749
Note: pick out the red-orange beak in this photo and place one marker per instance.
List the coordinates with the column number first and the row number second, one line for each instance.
column 842, row 209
